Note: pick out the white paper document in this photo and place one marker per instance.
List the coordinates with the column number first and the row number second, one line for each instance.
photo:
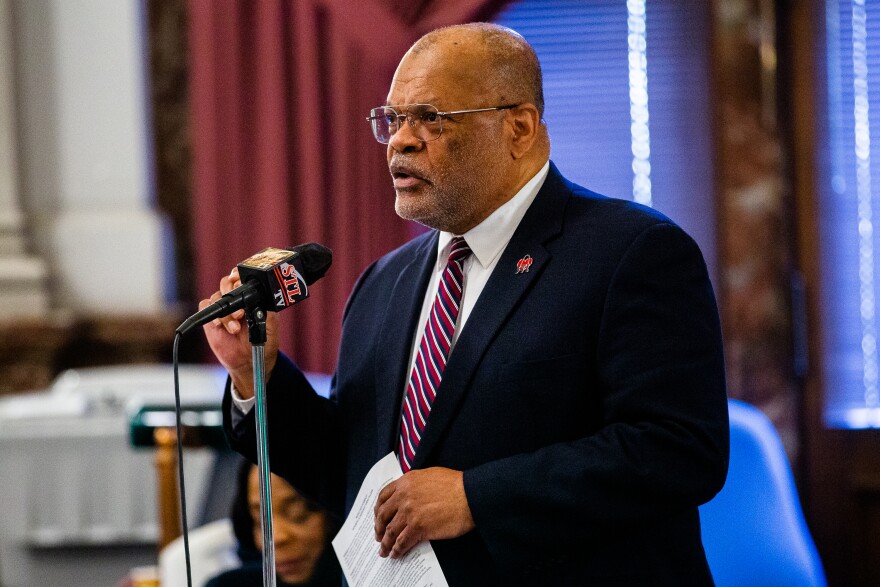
column 357, row 549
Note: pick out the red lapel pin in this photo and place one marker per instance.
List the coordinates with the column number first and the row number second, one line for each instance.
column 522, row 266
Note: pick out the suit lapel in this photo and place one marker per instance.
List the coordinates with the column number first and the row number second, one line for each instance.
column 505, row 288
column 395, row 342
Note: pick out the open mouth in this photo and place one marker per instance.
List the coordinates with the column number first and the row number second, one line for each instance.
column 405, row 177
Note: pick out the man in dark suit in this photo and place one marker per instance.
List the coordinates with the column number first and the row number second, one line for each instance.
column 552, row 384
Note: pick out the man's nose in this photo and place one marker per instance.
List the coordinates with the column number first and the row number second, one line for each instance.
column 405, row 139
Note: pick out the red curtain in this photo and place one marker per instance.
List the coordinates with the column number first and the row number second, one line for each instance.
column 282, row 155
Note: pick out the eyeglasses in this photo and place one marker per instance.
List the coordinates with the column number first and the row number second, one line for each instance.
column 425, row 121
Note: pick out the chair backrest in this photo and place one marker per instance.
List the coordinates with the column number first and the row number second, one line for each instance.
column 754, row 530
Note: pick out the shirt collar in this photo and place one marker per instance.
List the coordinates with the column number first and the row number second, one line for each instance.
column 488, row 238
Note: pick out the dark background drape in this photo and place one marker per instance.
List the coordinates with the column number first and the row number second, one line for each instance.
column 279, row 90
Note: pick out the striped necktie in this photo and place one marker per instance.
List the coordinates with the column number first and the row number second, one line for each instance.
column 432, row 354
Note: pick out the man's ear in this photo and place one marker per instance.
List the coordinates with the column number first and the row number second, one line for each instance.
column 525, row 123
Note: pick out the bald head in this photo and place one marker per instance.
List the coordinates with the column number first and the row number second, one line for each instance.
column 502, row 60
column 490, row 138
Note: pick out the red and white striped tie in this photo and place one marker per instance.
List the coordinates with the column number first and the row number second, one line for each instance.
column 432, row 354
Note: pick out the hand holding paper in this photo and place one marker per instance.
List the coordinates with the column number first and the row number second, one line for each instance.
column 427, row 504
column 358, row 551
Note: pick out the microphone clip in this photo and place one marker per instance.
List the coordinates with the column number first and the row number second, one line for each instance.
column 256, row 319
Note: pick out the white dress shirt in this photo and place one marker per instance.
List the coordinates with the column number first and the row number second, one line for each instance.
column 487, row 240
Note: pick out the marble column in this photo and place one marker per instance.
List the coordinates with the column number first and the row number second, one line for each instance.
column 23, row 292
column 755, row 215
column 85, row 154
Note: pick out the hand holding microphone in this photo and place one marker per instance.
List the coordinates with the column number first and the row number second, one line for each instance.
column 232, row 322
column 228, row 338
column 273, row 279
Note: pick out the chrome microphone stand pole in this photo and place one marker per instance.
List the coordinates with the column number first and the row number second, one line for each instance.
column 256, row 318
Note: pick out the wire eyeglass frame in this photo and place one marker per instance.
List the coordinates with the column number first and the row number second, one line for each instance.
column 426, row 122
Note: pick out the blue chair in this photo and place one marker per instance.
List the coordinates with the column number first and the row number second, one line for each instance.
column 754, row 530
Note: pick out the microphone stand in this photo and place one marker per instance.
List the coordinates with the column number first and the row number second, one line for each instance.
column 256, row 318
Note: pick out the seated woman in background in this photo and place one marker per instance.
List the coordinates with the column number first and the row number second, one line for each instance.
column 303, row 555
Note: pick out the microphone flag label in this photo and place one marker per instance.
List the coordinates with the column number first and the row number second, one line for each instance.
column 279, row 272
column 292, row 285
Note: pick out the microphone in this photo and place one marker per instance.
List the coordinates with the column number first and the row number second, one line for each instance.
column 273, row 279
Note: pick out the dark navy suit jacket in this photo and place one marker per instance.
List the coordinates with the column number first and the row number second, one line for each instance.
column 584, row 399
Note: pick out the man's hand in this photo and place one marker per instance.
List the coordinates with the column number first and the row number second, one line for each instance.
column 228, row 338
column 426, row 504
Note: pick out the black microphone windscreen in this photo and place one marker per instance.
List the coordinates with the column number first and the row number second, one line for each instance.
column 316, row 260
